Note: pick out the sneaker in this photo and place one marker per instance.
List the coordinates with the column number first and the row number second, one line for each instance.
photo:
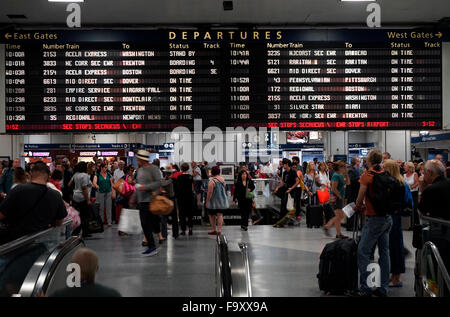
column 244, row 228
column 144, row 244
column 150, row 252
column 326, row 231
column 257, row 221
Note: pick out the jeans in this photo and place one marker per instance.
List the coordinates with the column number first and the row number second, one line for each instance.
column 376, row 230
column 396, row 248
column 149, row 223
column 105, row 201
column 415, row 220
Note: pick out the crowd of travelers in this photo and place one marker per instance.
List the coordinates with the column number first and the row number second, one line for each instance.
column 104, row 188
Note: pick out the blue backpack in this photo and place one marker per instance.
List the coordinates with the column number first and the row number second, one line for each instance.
column 219, row 198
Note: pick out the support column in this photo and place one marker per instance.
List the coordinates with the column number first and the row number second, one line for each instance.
column 335, row 143
column 397, row 143
column 17, row 146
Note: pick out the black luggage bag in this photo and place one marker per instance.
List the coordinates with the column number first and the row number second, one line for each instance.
column 95, row 221
column 338, row 267
column 314, row 213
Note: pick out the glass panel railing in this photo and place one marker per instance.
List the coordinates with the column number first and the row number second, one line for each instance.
column 432, row 272
column 264, row 197
column 435, row 278
column 18, row 256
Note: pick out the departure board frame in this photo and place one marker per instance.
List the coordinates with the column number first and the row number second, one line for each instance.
column 78, row 81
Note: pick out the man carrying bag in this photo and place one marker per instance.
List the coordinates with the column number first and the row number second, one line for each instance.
column 148, row 179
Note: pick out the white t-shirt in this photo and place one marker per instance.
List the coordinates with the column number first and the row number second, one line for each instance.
column 199, row 174
column 323, row 178
column 268, row 170
column 80, row 180
column 118, row 174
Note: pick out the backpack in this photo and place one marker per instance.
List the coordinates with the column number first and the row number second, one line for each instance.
column 219, row 198
column 386, row 194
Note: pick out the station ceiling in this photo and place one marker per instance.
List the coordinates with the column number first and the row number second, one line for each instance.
column 308, row 13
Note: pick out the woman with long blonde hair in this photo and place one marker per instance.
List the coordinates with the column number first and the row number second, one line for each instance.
column 396, row 248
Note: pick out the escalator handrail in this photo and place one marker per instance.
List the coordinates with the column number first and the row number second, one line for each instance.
column 223, row 267
column 245, row 257
column 435, row 220
column 41, row 277
column 441, row 266
column 27, row 239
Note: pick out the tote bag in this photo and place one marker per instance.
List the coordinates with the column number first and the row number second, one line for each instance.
column 290, row 203
column 130, row 222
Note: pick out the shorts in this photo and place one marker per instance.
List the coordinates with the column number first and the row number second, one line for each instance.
column 214, row 212
column 198, row 186
column 338, row 204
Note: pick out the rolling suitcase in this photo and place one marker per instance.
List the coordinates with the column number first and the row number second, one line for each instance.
column 338, row 267
column 314, row 213
column 95, row 221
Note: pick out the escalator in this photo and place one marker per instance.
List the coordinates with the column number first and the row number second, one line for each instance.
column 49, row 272
column 232, row 269
column 36, row 263
column 431, row 274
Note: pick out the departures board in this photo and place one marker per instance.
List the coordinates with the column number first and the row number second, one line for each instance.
column 157, row 80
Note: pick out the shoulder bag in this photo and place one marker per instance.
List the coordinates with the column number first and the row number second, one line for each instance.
column 160, row 205
column 248, row 194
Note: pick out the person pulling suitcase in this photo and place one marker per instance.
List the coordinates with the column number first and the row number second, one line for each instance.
column 338, row 266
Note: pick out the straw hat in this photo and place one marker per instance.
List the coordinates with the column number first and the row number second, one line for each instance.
column 143, row 155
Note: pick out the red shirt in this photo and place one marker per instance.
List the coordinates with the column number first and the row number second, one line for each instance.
column 175, row 175
column 56, row 183
column 367, row 179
